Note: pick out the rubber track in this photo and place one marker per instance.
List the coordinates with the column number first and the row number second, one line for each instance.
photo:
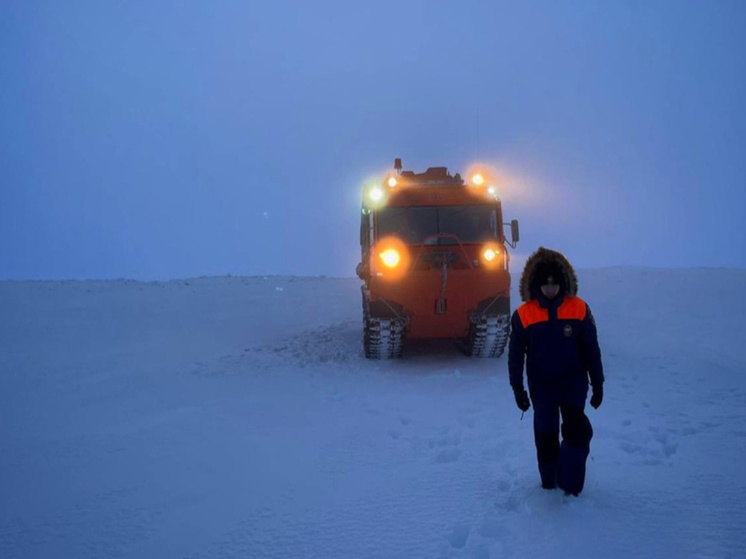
column 383, row 338
column 489, row 336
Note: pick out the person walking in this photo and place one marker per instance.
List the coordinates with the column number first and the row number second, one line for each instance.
column 554, row 333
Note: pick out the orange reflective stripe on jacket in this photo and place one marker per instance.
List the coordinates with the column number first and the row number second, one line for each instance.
column 572, row 308
column 532, row 313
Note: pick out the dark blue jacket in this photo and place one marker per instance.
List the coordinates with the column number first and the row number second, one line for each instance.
column 558, row 342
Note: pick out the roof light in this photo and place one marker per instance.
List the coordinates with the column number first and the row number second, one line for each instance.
column 477, row 179
column 392, row 182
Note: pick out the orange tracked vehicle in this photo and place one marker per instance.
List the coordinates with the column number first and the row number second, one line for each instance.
column 434, row 262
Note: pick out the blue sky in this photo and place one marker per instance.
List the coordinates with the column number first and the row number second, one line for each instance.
column 166, row 139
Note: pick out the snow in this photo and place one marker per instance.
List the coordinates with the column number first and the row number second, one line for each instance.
column 236, row 417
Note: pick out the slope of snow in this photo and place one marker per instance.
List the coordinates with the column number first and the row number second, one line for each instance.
column 236, row 417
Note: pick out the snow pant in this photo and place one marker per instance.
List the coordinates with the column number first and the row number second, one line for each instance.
column 562, row 464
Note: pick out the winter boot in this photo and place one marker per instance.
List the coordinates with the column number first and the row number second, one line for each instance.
column 574, row 449
column 548, row 473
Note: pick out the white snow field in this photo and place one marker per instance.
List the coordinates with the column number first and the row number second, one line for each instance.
column 236, row 417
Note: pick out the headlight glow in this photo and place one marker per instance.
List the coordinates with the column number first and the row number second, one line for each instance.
column 390, row 257
column 492, row 256
column 375, row 194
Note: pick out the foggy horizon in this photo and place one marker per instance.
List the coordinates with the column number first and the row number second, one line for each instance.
column 171, row 140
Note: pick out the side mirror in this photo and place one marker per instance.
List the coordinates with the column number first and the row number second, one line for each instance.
column 514, row 233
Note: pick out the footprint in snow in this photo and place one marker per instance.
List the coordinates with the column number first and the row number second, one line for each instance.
column 652, row 448
column 448, row 455
column 459, row 535
column 467, row 421
column 448, row 445
column 491, row 528
column 493, row 454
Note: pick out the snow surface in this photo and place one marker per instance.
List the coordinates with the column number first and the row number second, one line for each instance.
column 236, row 417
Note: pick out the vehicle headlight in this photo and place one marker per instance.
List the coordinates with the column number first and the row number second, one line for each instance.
column 491, row 256
column 375, row 194
column 390, row 257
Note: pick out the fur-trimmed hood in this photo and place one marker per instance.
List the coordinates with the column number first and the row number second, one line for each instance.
column 546, row 256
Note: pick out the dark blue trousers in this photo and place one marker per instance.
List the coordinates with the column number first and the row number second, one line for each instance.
column 561, row 464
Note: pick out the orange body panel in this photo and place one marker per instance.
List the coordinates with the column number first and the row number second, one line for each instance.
column 418, row 292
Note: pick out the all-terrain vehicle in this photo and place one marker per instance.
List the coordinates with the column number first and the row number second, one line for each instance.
column 434, row 262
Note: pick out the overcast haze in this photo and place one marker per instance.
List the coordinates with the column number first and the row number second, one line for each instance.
column 170, row 139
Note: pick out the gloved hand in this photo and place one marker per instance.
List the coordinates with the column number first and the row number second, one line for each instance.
column 597, row 396
column 521, row 399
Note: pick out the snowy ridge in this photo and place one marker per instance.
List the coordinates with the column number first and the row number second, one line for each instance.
column 236, row 417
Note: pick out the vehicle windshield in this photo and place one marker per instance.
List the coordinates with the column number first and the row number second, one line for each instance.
column 412, row 224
